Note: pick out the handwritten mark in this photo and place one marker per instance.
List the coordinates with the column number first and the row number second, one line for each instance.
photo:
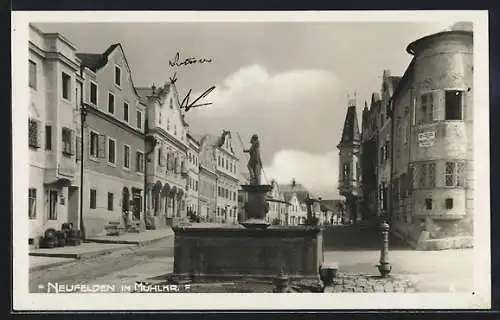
column 185, row 104
column 187, row 61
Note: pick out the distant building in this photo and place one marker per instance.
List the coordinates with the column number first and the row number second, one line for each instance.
column 192, row 187
column 349, row 163
column 227, row 177
column 53, row 127
column 167, row 152
column 331, row 210
column 114, row 141
column 277, row 205
column 295, row 195
column 207, row 195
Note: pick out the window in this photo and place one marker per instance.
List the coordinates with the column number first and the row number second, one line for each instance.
column 426, row 108
column 175, row 129
column 32, row 75
column 227, row 165
column 53, row 195
column 93, row 198
column 118, row 76
column 125, row 111
column 32, row 203
column 428, row 204
column 139, row 119
column 66, row 86
column 110, row 201
column 449, row 203
column 94, row 143
column 453, row 105
column 386, row 149
column 159, row 157
column 33, row 132
column 111, row 150
column 139, row 165
column 171, row 103
column 126, row 156
column 93, row 93
column 218, row 160
column 48, row 137
column 454, row 174
column 67, row 141
column 345, row 172
column 111, row 103
column 196, row 186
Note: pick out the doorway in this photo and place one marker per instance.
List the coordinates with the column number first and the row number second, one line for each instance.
column 136, row 204
column 73, row 202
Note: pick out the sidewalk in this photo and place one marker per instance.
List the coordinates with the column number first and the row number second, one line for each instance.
column 83, row 251
column 39, row 263
column 141, row 238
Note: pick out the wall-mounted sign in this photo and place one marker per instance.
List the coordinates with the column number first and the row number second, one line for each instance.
column 426, row 139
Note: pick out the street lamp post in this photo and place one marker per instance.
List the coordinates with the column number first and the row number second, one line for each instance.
column 83, row 117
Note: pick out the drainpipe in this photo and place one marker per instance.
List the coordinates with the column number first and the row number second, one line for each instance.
column 83, row 114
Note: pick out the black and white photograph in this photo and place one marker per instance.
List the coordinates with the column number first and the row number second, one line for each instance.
column 170, row 156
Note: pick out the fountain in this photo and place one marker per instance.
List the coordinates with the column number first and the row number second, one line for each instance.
column 253, row 249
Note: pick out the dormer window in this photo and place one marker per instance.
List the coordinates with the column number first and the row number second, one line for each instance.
column 171, row 103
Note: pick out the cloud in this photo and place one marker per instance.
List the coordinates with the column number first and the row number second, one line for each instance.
column 317, row 172
column 290, row 110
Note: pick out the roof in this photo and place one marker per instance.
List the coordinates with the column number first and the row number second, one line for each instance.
column 412, row 47
column 408, row 72
column 393, row 80
column 330, row 205
column 350, row 132
column 288, row 190
column 95, row 61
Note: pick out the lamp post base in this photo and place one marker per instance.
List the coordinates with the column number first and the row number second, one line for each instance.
column 384, row 269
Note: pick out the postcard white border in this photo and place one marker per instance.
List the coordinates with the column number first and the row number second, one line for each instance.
column 23, row 300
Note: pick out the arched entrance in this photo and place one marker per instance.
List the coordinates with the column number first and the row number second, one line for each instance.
column 156, row 198
column 125, row 200
column 164, row 199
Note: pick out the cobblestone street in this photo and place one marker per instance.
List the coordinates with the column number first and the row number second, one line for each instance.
column 352, row 282
column 422, row 271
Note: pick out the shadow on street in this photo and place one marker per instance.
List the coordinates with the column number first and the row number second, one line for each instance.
column 358, row 237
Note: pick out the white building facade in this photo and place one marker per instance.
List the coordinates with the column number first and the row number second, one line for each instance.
column 55, row 88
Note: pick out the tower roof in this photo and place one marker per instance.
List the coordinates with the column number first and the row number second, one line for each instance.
column 350, row 133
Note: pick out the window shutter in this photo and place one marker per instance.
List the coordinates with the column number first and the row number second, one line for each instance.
column 38, row 126
column 73, row 142
column 78, row 148
column 101, row 146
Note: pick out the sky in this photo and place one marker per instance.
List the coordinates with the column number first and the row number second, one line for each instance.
column 287, row 82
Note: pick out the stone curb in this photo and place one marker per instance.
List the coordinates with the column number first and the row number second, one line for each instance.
column 134, row 242
column 88, row 255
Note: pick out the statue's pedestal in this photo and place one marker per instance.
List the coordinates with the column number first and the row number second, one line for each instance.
column 256, row 207
column 229, row 252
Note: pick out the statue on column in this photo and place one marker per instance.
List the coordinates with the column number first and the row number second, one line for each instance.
column 254, row 163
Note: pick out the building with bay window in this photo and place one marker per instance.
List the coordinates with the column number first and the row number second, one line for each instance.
column 113, row 140
column 433, row 175
column 166, row 149
column 425, row 179
column 54, row 90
